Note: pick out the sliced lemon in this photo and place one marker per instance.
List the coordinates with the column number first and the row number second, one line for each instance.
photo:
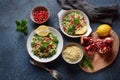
column 42, row 30
column 81, row 31
column 103, row 30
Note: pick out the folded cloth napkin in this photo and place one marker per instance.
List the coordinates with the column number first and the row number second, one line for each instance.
column 103, row 14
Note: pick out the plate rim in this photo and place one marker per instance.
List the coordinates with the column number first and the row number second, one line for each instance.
column 48, row 59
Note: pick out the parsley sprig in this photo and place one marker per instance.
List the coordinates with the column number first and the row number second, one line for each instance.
column 86, row 63
column 22, row 26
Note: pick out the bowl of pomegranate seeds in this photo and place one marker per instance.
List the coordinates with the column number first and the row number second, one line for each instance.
column 40, row 14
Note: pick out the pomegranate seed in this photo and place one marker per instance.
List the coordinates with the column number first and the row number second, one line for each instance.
column 40, row 16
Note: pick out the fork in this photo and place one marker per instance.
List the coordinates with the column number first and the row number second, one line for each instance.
column 54, row 73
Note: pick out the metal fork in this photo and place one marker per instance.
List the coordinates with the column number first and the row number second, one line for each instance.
column 54, row 73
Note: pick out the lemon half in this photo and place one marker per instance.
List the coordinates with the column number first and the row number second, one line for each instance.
column 42, row 30
column 81, row 31
column 103, row 30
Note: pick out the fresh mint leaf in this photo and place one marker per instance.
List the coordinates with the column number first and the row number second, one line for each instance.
column 18, row 28
column 86, row 63
column 90, row 65
column 22, row 26
column 17, row 23
column 25, row 31
column 23, row 22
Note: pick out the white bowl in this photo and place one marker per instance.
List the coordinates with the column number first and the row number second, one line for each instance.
column 77, row 45
column 45, row 60
column 63, row 13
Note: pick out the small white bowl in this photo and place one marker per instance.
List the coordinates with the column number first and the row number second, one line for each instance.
column 45, row 60
column 39, row 8
column 63, row 13
column 69, row 45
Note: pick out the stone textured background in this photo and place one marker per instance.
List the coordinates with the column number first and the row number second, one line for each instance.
column 14, row 59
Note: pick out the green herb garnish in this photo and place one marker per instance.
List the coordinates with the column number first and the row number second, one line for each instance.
column 70, row 30
column 67, row 19
column 22, row 26
column 86, row 62
column 76, row 21
column 44, row 45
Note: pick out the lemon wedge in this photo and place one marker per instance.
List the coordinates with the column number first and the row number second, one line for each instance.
column 42, row 30
column 81, row 31
column 103, row 30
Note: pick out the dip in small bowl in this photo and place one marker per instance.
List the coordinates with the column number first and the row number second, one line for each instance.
column 72, row 53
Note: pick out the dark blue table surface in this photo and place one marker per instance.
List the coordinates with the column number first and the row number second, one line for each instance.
column 14, row 58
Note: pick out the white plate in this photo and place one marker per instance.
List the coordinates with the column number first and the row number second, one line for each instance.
column 61, row 15
column 45, row 60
